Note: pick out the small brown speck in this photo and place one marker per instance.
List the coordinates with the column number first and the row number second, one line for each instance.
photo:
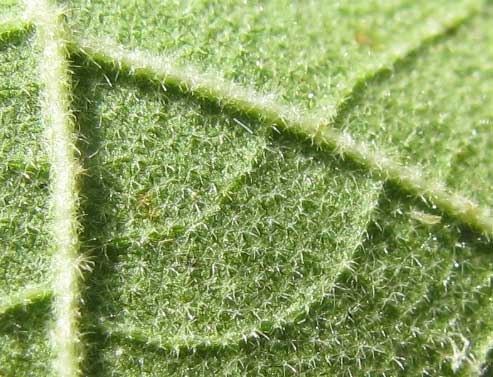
column 363, row 39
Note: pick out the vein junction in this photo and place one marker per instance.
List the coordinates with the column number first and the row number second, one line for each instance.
column 54, row 67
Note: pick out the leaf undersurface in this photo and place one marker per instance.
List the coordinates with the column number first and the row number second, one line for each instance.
column 215, row 241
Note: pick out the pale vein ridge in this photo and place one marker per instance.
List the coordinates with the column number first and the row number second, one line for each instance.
column 188, row 79
column 66, row 264
column 266, row 107
column 226, row 93
column 252, row 161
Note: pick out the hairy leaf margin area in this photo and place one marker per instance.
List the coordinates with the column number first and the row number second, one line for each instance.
column 198, row 224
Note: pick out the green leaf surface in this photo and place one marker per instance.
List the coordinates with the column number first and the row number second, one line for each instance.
column 215, row 242
column 309, row 52
column 24, row 173
column 437, row 115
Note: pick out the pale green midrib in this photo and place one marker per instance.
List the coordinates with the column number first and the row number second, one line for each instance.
column 66, row 262
column 292, row 312
column 228, row 94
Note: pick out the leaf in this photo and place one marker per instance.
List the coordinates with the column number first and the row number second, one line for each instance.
column 214, row 240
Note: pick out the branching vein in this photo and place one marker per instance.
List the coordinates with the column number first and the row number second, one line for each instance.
column 268, row 109
column 67, row 262
column 228, row 94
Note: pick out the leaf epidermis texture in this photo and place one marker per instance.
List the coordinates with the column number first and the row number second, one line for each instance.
column 222, row 245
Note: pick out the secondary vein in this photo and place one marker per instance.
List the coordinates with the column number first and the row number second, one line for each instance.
column 216, row 88
column 228, row 94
